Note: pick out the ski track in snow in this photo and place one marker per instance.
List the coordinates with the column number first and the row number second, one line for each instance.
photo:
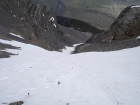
column 94, row 78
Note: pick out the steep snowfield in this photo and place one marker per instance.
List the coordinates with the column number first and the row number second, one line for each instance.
column 95, row 78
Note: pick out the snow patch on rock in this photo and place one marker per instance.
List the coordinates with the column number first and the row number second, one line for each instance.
column 137, row 6
column 16, row 35
column 52, row 19
column 54, row 25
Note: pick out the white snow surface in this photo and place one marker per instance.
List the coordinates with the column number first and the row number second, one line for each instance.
column 16, row 35
column 137, row 6
column 94, row 78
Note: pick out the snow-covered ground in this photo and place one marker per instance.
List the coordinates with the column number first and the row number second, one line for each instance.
column 95, row 78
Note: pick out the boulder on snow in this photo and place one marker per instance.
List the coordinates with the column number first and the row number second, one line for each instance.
column 17, row 103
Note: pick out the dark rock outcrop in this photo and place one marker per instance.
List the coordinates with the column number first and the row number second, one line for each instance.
column 108, row 46
column 4, row 54
column 17, row 103
column 121, row 33
column 5, row 46
column 126, row 26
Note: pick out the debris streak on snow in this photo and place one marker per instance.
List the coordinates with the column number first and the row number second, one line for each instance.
column 16, row 35
column 94, row 78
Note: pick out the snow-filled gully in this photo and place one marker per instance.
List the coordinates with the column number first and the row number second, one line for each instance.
column 54, row 78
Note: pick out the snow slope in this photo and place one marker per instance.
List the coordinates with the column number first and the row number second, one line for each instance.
column 95, row 78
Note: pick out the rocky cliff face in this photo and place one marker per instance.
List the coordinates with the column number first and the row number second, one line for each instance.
column 35, row 23
column 122, row 33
